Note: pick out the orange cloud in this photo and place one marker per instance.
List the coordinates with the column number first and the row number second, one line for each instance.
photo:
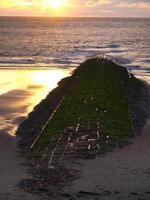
column 127, row 8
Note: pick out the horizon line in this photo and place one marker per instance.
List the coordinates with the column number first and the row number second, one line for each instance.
column 41, row 16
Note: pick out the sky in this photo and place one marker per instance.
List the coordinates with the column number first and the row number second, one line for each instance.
column 76, row 8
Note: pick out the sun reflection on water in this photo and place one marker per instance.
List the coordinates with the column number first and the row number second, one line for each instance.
column 21, row 90
column 45, row 82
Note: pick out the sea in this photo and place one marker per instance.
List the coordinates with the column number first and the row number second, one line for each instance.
column 35, row 53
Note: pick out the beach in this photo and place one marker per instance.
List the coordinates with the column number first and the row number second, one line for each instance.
column 42, row 53
column 12, row 169
column 121, row 174
column 106, row 181
column 20, row 92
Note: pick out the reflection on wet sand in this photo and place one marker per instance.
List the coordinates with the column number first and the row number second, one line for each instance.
column 21, row 90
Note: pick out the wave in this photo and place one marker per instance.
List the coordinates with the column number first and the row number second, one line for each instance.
column 123, row 55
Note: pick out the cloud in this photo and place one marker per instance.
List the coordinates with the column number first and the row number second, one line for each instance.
column 92, row 3
column 40, row 2
column 100, row 8
column 132, row 4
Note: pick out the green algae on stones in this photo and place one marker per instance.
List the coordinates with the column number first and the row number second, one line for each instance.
column 94, row 114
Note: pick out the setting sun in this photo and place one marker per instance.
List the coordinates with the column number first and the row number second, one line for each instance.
column 56, row 3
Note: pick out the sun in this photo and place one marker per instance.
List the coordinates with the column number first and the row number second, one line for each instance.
column 56, row 4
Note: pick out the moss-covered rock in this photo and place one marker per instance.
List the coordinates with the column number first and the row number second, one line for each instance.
column 96, row 106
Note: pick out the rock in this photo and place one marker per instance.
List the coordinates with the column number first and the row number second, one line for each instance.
column 88, row 193
column 66, row 195
column 147, row 192
column 134, row 193
column 117, row 192
column 106, row 193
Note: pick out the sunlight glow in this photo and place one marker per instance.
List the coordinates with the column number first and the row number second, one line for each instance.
column 56, row 3
column 75, row 8
column 24, row 89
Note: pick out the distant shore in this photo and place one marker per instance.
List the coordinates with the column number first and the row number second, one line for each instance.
column 30, row 129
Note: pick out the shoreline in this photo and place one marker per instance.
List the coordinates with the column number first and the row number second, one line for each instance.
column 74, row 173
column 20, row 92
column 34, row 124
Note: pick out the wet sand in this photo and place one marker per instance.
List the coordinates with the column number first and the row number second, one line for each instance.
column 20, row 92
column 12, row 170
column 118, row 175
column 122, row 174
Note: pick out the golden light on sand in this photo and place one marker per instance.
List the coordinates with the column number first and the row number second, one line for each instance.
column 48, row 80
column 56, row 4
column 24, row 89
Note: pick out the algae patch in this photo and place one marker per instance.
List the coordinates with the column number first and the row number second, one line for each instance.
column 93, row 116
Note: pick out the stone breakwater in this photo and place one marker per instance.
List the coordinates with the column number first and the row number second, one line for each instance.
column 29, row 129
column 84, row 140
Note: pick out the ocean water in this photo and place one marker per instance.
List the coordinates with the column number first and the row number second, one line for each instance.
column 35, row 53
column 65, row 42
column 21, row 90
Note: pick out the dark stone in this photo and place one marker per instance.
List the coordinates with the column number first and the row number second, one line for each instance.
column 134, row 193
column 66, row 195
column 88, row 193
column 106, row 193
column 117, row 192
